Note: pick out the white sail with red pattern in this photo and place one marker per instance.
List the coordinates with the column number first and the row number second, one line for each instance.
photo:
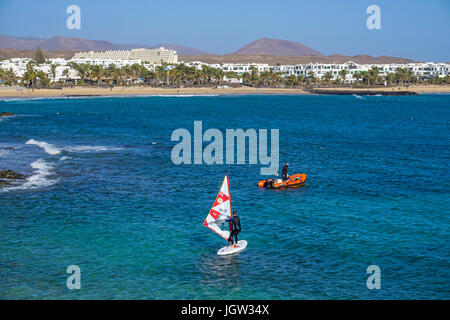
column 220, row 211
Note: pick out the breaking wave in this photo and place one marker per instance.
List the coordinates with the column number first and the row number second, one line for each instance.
column 48, row 148
column 53, row 150
column 41, row 177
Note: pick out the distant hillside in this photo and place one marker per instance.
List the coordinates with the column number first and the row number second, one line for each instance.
column 281, row 51
column 18, row 43
column 13, row 53
column 291, row 60
column 54, row 43
column 275, row 47
column 64, row 43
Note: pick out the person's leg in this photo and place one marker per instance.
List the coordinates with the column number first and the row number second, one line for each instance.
column 236, row 238
column 231, row 237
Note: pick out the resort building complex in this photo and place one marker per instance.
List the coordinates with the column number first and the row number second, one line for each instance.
column 62, row 70
column 146, row 55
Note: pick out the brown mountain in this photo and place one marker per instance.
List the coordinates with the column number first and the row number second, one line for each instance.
column 276, row 47
column 64, row 43
column 54, row 43
column 291, row 60
column 11, row 47
column 18, row 43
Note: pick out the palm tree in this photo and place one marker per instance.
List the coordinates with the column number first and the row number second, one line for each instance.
column 265, row 78
column 66, row 74
column 402, row 75
column 374, row 75
column 81, row 69
column 44, row 80
column 53, row 71
column 232, row 75
column 254, row 76
column 343, row 73
column 246, row 78
column 364, row 76
column 97, row 72
column 161, row 73
column 219, row 74
column 327, row 76
column 291, row 80
column 30, row 75
column 148, row 76
column 311, row 79
column 358, row 76
column 390, row 78
column 8, row 76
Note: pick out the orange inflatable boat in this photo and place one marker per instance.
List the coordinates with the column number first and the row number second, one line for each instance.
column 293, row 181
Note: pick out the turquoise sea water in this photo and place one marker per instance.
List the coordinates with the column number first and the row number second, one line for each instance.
column 103, row 194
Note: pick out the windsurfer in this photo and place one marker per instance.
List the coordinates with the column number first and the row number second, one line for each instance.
column 236, row 221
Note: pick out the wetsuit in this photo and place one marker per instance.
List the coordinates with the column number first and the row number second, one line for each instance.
column 236, row 221
column 284, row 172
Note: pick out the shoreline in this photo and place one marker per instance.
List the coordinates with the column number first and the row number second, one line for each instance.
column 17, row 92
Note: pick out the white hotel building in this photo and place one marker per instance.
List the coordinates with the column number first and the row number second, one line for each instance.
column 153, row 56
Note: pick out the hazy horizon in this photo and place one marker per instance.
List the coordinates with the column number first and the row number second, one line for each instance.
column 417, row 31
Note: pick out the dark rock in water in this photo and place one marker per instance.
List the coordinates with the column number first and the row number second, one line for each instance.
column 4, row 183
column 6, row 114
column 11, row 175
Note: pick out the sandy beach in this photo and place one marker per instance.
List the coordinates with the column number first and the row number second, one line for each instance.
column 118, row 91
column 15, row 92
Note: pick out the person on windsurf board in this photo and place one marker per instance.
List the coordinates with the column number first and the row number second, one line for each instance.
column 236, row 221
column 220, row 215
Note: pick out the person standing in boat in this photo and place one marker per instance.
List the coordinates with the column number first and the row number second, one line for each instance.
column 284, row 171
column 236, row 221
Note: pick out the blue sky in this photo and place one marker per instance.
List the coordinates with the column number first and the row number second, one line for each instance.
column 413, row 29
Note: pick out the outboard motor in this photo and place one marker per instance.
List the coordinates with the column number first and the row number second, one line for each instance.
column 269, row 184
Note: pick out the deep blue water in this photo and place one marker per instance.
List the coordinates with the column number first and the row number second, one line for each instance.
column 107, row 197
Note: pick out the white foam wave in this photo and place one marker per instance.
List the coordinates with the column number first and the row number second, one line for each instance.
column 48, row 148
column 64, row 158
column 41, row 177
column 75, row 149
column 53, row 150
